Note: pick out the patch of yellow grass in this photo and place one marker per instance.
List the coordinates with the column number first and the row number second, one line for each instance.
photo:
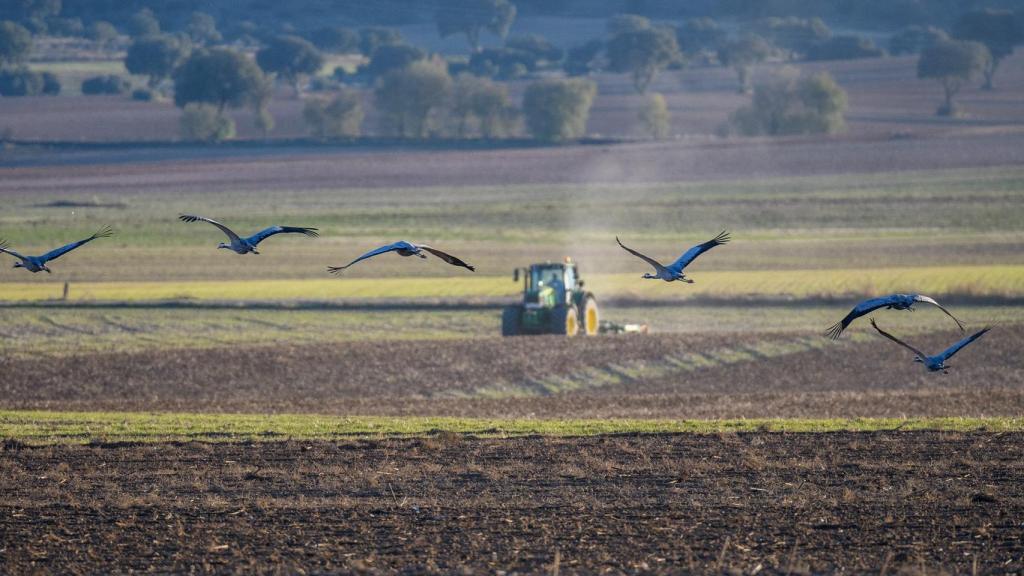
column 1007, row 281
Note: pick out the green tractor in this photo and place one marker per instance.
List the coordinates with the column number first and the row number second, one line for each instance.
column 554, row 302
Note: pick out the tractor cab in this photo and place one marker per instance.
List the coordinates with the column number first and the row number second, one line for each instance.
column 554, row 302
column 548, row 285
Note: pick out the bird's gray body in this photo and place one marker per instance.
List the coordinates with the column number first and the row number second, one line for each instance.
column 38, row 263
column 936, row 363
column 890, row 302
column 240, row 245
column 674, row 272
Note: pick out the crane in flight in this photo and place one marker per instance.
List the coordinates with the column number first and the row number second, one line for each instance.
column 248, row 245
column 403, row 248
column 38, row 263
column 937, row 362
column 890, row 302
column 674, row 271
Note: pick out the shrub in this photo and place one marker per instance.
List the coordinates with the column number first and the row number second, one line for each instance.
column 202, row 123
column 20, row 82
column 51, row 84
column 481, row 104
column 793, row 105
column 143, row 95
column 102, row 32
column 105, row 84
column 341, row 117
column 655, row 117
column 844, row 48
column 15, row 42
column 391, row 57
column 557, row 110
column 406, row 98
column 914, row 39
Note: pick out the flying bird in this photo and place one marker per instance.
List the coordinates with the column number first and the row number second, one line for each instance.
column 38, row 263
column 937, row 362
column 893, row 302
column 674, row 271
column 404, row 248
column 246, row 245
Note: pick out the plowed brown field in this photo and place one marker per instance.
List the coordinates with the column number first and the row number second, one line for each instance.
column 666, row 376
column 892, row 502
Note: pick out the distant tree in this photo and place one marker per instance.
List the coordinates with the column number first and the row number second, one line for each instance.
column 796, row 35
column 557, row 110
column 203, row 123
column 844, row 48
column 792, row 104
column 155, row 56
column 470, row 17
column 68, row 27
column 340, row 117
column 997, row 30
column 202, row 29
column 914, row 39
column 408, row 97
column 699, row 34
column 105, row 84
column 336, row 39
column 642, row 53
column 291, row 58
column 655, row 117
column 742, row 54
column 143, row 23
column 219, row 77
column 625, row 23
column 370, row 39
column 485, row 104
column 503, row 63
column 952, row 62
column 102, row 32
column 15, row 42
column 391, row 57
column 537, row 46
column 580, row 60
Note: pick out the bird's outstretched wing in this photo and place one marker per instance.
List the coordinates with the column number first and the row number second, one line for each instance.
column 692, row 254
column 6, row 250
column 447, row 257
column 401, row 245
column 932, row 301
column 54, row 254
column 949, row 352
column 230, row 234
column 268, row 232
column 657, row 265
column 859, row 310
column 920, row 354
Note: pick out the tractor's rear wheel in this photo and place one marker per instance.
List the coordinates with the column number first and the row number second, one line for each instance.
column 511, row 318
column 591, row 318
column 566, row 320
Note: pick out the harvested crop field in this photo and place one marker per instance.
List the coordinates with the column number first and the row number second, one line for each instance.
column 768, row 502
column 763, row 375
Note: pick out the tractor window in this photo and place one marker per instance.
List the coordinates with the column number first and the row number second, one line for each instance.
column 544, row 277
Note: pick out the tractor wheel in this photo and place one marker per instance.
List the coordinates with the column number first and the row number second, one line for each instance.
column 565, row 320
column 590, row 320
column 510, row 320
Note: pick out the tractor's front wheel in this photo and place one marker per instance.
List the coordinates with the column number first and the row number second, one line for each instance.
column 511, row 319
column 590, row 319
column 565, row 320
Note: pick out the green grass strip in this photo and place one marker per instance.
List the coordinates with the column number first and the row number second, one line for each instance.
column 47, row 428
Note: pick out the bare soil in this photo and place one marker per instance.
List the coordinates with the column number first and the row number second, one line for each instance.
column 653, row 376
column 892, row 502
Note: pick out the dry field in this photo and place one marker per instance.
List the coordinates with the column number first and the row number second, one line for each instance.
column 678, row 376
column 731, row 503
